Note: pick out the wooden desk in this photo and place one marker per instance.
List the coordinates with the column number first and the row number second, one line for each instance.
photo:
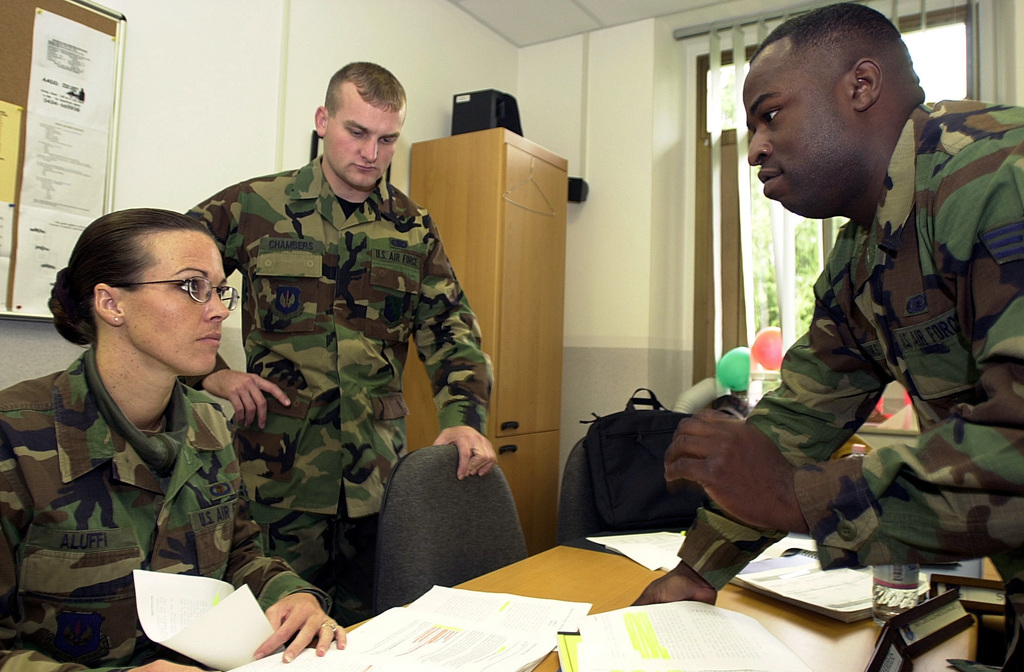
column 610, row 581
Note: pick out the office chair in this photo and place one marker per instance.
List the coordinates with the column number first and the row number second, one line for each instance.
column 437, row 530
column 577, row 512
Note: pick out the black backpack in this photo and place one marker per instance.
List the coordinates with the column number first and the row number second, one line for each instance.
column 625, row 452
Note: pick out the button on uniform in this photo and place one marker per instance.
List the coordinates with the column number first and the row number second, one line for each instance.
column 847, row 530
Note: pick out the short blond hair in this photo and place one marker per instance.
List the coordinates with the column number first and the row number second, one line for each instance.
column 376, row 85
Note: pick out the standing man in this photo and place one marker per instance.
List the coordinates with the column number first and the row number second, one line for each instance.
column 924, row 286
column 339, row 269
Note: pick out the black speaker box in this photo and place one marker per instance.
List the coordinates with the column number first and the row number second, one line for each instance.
column 578, row 189
column 480, row 110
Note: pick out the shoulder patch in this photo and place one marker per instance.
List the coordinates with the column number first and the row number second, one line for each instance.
column 1005, row 243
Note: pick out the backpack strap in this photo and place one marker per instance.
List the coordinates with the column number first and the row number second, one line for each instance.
column 651, row 400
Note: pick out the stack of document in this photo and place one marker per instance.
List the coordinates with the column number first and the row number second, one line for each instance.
column 676, row 637
column 447, row 629
column 843, row 594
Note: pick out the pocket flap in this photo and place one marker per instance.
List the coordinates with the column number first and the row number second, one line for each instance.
column 390, row 407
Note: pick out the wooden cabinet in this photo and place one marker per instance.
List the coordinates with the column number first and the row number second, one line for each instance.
column 499, row 201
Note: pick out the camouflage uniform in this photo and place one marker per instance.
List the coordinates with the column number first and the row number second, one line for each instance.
column 930, row 296
column 80, row 510
column 330, row 303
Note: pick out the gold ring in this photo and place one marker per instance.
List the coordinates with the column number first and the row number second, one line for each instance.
column 331, row 625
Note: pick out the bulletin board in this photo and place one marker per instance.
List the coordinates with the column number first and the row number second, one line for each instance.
column 60, row 85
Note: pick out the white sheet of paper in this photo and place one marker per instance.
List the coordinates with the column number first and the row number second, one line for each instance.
column 681, row 636
column 45, row 240
column 65, row 167
column 72, row 75
column 502, row 611
column 67, row 129
column 658, row 550
column 333, row 661
column 653, row 550
column 203, row 618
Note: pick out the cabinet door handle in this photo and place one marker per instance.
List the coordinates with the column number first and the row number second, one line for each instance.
column 511, row 424
column 511, row 448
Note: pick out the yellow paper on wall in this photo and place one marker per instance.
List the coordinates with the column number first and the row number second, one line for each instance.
column 10, row 137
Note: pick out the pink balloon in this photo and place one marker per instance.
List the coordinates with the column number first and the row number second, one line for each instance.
column 767, row 348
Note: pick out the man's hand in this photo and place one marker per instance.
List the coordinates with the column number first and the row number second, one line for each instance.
column 739, row 467
column 682, row 583
column 299, row 614
column 476, row 454
column 245, row 392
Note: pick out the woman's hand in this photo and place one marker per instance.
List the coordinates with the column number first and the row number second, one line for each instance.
column 300, row 615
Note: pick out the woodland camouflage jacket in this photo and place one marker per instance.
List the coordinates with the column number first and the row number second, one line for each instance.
column 931, row 296
column 79, row 511
column 329, row 305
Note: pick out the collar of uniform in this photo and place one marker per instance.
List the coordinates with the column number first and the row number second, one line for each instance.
column 310, row 183
column 85, row 441
column 371, row 210
column 898, row 197
column 894, row 207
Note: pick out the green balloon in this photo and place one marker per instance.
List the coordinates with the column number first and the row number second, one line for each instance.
column 733, row 370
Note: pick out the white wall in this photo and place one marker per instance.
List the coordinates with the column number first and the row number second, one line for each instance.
column 592, row 100
column 435, row 50
column 552, row 100
column 199, row 102
column 217, row 92
column 672, row 231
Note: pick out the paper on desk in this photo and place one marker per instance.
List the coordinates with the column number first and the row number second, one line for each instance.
column 532, row 616
column 203, row 618
column 843, row 594
column 653, row 550
column 447, row 629
column 333, row 661
column 683, row 637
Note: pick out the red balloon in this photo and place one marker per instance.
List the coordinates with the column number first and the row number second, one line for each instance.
column 767, row 348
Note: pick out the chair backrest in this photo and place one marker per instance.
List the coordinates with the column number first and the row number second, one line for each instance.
column 577, row 512
column 437, row 530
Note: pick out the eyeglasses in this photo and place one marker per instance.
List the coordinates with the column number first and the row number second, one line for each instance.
column 199, row 288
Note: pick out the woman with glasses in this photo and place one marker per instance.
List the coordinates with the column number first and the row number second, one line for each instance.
column 113, row 465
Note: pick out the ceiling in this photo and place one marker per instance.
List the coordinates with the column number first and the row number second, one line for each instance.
column 526, row 22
